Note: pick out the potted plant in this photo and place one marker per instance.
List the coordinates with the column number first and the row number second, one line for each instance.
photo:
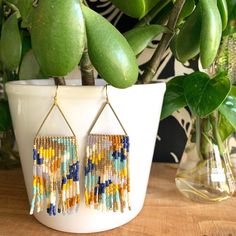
column 59, row 42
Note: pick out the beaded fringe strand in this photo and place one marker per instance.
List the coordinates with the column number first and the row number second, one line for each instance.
column 55, row 175
column 107, row 181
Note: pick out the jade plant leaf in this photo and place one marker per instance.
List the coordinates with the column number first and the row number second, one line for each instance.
column 231, row 26
column 174, row 96
column 10, row 44
column 224, row 127
column 228, row 107
column 5, row 117
column 187, row 9
column 139, row 37
column 29, row 68
column 26, row 42
column 135, row 8
column 203, row 94
column 25, row 8
column 109, row 51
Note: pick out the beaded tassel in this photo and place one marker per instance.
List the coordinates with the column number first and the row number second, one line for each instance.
column 55, row 175
column 107, row 182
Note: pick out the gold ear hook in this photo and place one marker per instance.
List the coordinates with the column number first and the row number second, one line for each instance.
column 55, row 104
column 55, row 97
column 101, row 110
column 107, row 99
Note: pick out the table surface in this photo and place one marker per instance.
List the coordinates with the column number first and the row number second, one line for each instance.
column 165, row 212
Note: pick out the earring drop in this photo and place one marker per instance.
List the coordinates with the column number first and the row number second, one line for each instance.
column 55, row 171
column 107, row 180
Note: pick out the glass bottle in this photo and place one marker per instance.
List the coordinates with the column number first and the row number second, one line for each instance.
column 205, row 173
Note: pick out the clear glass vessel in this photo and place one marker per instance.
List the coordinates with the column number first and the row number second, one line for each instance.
column 205, row 171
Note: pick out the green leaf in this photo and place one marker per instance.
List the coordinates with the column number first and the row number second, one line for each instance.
column 204, row 95
column 29, row 68
column 135, row 8
column 228, row 107
column 11, row 46
column 187, row 9
column 140, row 37
column 5, row 117
column 25, row 7
column 174, row 96
column 231, row 26
column 26, row 42
column 224, row 127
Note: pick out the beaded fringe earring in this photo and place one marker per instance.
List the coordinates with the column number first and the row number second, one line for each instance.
column 55, row 171
column 107, row 180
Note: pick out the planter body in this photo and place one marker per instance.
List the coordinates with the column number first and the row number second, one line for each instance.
column 138, row 108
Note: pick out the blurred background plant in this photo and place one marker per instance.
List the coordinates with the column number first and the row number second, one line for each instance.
column 193, row 29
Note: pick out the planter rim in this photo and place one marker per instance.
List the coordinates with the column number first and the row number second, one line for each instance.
column 72, row 83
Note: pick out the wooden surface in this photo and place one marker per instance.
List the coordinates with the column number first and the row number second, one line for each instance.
column 165, row 212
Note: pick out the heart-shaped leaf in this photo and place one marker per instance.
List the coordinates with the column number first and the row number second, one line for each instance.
column 5, row 117
column 228, row 107
column 224, row 127
column 139, row 37
column 174, row 96
column 11, row 43
column 203, row 94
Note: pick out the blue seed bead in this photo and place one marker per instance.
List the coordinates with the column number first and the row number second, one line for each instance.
column 64, row 180
column 71, row 169
column 40, row 161
column 76, row 177
column 103, row 188
column 54, row 210
column 35, row 154
column 110, row 181
column 92, row 167
column 77, row 165
column 107, row 183
column 96, row 191
column 69, row 176
column 50, row 211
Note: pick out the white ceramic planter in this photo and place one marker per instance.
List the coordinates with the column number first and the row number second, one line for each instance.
column 139, row 110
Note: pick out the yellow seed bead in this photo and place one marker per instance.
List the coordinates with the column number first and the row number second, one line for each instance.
column 86, row 197
column 125, row 172
column 53, row 152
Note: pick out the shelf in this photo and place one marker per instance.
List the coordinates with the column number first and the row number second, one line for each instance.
column 166, row 211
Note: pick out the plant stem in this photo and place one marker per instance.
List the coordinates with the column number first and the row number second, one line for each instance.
column 214, row 122
column 86, row 69
column 152, row 14
column 155, row 61
column 59, row 81
column 11, row 6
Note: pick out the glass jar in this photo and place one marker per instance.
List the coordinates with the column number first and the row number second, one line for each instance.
column 205, row 171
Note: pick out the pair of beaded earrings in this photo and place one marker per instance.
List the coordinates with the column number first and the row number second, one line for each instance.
column 56, row 170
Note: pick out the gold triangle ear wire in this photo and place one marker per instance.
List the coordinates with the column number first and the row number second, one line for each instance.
column 107, row 175
column 55, row 170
